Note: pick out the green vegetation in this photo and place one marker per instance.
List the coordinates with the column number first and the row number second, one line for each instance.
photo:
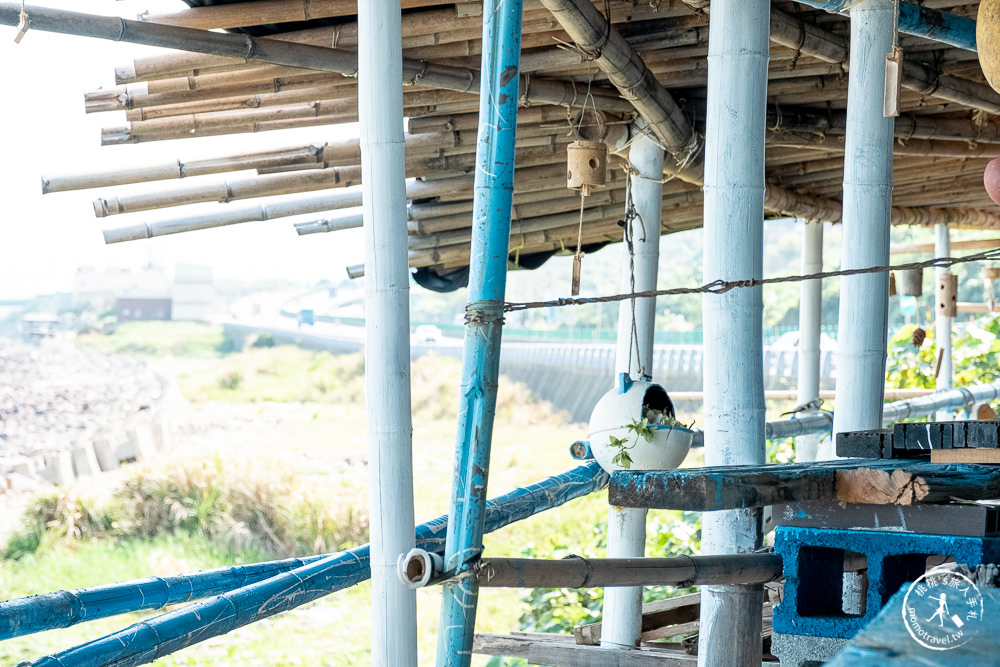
column 255, row 510
column 279, row 374
column 159, row 339
column 976, row 355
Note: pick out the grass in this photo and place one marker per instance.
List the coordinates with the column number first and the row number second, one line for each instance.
column 160, row 339
column 298, row 479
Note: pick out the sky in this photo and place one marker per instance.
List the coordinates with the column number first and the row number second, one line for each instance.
column 43, row 239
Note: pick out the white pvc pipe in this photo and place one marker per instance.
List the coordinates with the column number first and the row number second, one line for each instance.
column 622, row 625
column 387, row 325
column 943, row 323
column 861, row 348
column 730, row 633
column 810, row 320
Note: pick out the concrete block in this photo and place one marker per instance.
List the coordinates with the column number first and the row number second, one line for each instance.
column 106, row 449
column 139, row 445
column 58, row 468
column 24, row 466
column 160, row 425
column 803, row 650
column 84, row 460
column 815, row 562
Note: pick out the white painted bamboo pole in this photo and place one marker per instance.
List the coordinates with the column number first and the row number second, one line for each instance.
column 387, row 328
column 861, row 348
column 730, row 634
column 634, row 355
column 942, row 323
column 810, row 320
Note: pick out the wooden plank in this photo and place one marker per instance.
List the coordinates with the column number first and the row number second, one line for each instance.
column 880, row 482
column 563, row 651
column 952, row 519
column 965, row 455
column 865, row 444
column 655, row 615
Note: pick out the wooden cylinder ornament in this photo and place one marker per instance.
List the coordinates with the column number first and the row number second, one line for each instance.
column 988, row 40
column 586, row 165
column 911, row 282
column 947, row 295
column 892, row 284
column 991, row 180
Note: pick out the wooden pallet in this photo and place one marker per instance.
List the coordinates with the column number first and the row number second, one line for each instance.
column 874, row 481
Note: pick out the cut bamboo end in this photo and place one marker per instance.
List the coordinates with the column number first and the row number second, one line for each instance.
column 104, row 207
column 131, row 233
column 329, row 225
column 125, row 73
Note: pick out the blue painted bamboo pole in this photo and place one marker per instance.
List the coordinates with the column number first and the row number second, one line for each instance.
column 734, row 408
column 864, row 299
column 63, row 609
column 146, row 641
column 493, row 192
column 938, row 26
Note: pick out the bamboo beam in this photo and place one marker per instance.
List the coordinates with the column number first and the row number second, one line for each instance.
column 525, row 178
column 291, row 183
column 265, row 50
column 923, row 248
column 578, row 572
column 629, row 74
column 296, row 155
column 262, row 12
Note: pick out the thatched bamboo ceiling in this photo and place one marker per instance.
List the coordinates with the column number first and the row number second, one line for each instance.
column 946, row 133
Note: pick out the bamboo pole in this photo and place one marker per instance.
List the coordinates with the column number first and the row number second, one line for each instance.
column 578, row 572
column 262, row 12
column 325, row 225
column 333, row 201
column 734, row 407
column 868, row 183
column 265, row 50
column 416, row 26
column 387, row 331
column 296, row 155
column 291, row 183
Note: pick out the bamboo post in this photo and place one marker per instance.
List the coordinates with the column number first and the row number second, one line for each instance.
column 484, row 322
column 810, row 321
column 634, row 356
column 387, row 331
column 867, row 202
column 730, row 634
column 943, row 323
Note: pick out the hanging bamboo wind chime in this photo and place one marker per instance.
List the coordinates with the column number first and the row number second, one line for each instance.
column 586, row 168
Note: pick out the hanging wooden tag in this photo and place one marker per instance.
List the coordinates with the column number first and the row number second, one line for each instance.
column 22, row 27
column 893, row 81
column 577, row 265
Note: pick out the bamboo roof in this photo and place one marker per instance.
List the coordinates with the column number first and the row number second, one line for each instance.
column 570, row 84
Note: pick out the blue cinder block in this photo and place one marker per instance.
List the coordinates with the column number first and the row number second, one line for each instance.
column 814, row 563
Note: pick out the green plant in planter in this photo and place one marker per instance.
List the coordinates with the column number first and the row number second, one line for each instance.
column 641, row 429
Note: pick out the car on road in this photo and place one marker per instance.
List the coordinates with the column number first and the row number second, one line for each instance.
column 426, row 333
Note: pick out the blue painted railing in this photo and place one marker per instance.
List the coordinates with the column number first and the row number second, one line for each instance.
column 951, row 29
column 148, row 640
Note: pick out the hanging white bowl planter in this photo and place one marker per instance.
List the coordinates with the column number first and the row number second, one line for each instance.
column 616, row 425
